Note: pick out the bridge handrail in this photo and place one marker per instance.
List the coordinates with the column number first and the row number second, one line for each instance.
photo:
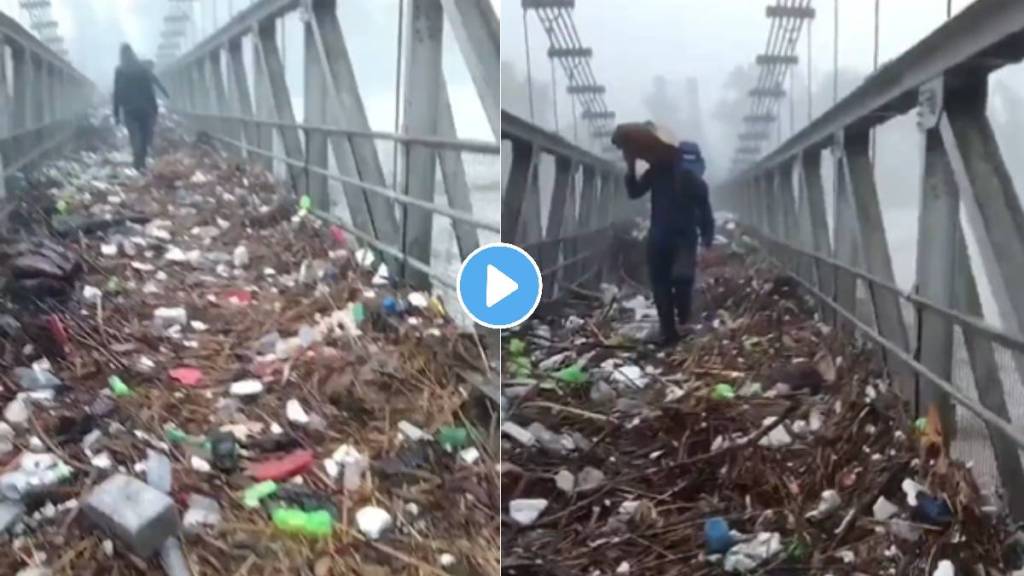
column 13, row 32
column 47, row 96
column 247, row 117
column 1011, row 432
column 385, row 192
column 783, row 198
column 587, row 200
column 515, row 128
column 458, row 144
column 990, row 331
column 239, row 26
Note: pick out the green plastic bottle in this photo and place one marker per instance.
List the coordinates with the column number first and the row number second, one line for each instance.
column 118, row 387
column 305, row 203
column 257, row 492
column 452, row 437
column 571, row 374
column 318, row 524
column 516, row 347
column 723, row 392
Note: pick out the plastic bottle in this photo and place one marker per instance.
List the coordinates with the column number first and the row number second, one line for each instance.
column 318, row 524
column 118, row 387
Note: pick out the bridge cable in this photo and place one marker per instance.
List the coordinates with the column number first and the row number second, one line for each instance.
column 767, row 96
column 575, row 125
column 529, row 72
column 399, row 86
column 835, row 55
column 554, row 93
column 810, row 74
column 398, row 93
column 874, row 131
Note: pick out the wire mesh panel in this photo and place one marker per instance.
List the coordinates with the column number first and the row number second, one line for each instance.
column 971, row 441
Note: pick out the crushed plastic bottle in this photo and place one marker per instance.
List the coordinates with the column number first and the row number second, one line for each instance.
column 318, row 524
column 723, row 392
column 516, row 347
column 118, row 387
column 571, row 374
column 452, row 438
column 255, row 494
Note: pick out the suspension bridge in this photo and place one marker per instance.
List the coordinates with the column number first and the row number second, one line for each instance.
column 923, row 269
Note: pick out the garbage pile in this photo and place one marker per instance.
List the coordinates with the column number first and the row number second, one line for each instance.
column 766, row 443
column 40, row 269
column 217, row 391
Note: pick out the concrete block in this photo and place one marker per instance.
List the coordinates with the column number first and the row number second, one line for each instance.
column 139, row 515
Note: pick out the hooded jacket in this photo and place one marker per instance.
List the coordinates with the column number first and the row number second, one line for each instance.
column 134, row 89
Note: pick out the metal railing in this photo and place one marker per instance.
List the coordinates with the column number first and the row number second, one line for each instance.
column 584, row 202
column 781, row 200
column 42, row 98
column 210, row 87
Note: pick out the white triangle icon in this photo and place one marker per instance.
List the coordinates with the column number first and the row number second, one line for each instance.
column 499, row 286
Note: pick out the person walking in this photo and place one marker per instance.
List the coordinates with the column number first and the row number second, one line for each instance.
column 680, row 208
column 135, row 87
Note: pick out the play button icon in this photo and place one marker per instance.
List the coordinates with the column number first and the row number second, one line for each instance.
column 499, row 285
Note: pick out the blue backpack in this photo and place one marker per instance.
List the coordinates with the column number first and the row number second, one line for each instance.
column 689, row 158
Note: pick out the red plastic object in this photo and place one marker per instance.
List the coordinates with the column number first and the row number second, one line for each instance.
column 190, row 377
column 339, row 235
column 283, row 468
column 238, row 296
column 60, row 335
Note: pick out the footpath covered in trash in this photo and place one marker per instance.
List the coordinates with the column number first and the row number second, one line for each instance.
column 766, row 443
column 198, row 377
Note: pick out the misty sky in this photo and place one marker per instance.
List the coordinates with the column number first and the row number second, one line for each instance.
column 634, row 41
column 94, row 29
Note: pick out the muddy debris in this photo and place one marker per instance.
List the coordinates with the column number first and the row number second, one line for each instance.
column 765, row 443
column 197, row 340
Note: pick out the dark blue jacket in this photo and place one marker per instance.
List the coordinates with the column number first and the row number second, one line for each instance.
column 135, row 88
column 677, row 208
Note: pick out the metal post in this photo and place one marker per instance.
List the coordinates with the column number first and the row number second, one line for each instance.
column 354, row 157
column 316, row 114
column 846, row 240
column 820, row 242
column 523, row 159
column 263, row 104
column 874, row 248
column 243, row 96
column 991, row 203
column 281, row 100
column 938, row 228
column 221, row 103
column 423, row 76
column 453, row 172
column 565, row 171
column 475, row 26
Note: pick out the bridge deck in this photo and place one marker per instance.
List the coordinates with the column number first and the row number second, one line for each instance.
column 633, row 461
column 301, row 318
